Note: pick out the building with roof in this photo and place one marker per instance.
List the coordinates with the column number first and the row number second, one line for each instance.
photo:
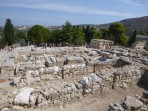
column 141, row 42
column 141, row 38
column 140, row 45
column 101, row 44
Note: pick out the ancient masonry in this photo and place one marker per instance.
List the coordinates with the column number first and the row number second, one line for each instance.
column 36, row 78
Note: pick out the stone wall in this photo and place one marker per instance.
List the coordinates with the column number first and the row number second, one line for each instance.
column 60, row 75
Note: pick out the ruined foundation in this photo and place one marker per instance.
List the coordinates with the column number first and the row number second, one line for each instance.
column 39, row 78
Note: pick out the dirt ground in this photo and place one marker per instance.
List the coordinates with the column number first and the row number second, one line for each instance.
column 95, row 102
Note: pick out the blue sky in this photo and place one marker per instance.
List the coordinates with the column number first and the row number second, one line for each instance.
column 56, row 12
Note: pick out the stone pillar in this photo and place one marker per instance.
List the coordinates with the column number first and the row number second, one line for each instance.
column 114, row 81
column 0, row 70
column 94, row 69
column 15, row 71
column 62, row 72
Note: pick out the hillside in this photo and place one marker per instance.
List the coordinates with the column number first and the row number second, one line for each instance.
column 140, row 23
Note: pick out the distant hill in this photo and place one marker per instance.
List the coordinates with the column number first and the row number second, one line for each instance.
column 140, row 23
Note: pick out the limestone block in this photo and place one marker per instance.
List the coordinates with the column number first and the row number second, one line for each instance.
column 52, row 70
column 144, row 108
column 132, row 103
column 108, row 83
column 46, row 95
column 40, row 99
column 35, row 73
column 116, row 107
column 17, row 68
column 24, row 58
column 84, row 80
column 41, row 70
column 48, row 63
column 22, row 98
column 5, row 109
column 95, row 88
column 16, row 80
column 145, row 93
column 33, row 100
column 95, row 78
column 43, row 104
column 17, row 108
column 53, row 59
column 78, row 86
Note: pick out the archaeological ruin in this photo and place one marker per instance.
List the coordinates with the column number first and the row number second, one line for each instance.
column 36, row 78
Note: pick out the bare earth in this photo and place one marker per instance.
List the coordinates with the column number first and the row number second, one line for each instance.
column 95, row 103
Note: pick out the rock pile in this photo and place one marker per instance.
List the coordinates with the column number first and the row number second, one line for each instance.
column 130, row 103
column 49, row 76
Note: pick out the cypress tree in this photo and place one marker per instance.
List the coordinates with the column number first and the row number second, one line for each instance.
column 9, row 32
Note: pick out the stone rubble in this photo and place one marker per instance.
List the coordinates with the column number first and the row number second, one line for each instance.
column 137, row 103
column 49, row 76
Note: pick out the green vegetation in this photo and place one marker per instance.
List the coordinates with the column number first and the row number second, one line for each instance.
column 9, row 32
column 90, row 33
column 117, row 34
column 19, row 36
column 38, row 34
column 132, row 38
column 140, row 32
column 78, row 36
column 69, row 34
column 2, row 39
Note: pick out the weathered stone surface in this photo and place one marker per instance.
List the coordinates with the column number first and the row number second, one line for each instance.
column 17, row 108
column 95, row 78
column 22, row 98
column 39, row 99
column 78, row 86
column 132, row 103
column 74, row 66
column 16, row 80
column 84, row 80
column 144, row 108
column 52, row 70
column 144, row 78
column 72, row 73
column 32, row 100
column 41, row 70
column 47, row 63
column 5, row 109
column 75, row 60
column 145, row 93
column 116, row 107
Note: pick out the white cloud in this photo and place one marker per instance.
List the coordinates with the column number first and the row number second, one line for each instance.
column 131, row 2
column 65, row 8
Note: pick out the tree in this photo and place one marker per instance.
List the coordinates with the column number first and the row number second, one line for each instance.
column 2, row 39
column 2, row 42
column 56, row 36
column 117, row 34
column 132, row 39
column 104, row 33
column 90, row 33
column 98, row 35
column 38, row 34
column 19, row 36
column 67, row 33
column 9, row 32
column 78, row 36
